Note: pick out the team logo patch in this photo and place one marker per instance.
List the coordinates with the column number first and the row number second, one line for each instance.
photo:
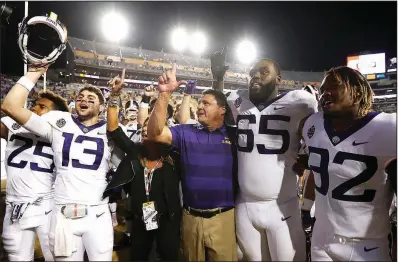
column 335, row 139
column 311, row 131
column 61, row 123
column 226, row 141
column 237, row 102
column 16, row 126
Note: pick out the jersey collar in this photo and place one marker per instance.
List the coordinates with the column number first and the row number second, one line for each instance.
column 86, row 129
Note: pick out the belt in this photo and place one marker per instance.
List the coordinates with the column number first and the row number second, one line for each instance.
column 206, row 213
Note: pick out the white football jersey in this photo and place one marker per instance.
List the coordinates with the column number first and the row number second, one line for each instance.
column 131, row 129
column 268, row 143
column 29, row 164
column 353, row 194
column 81, row 156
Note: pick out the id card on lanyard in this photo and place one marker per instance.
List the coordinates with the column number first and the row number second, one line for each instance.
column 149, row 212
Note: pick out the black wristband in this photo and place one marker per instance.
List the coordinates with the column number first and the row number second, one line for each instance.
column 145, row 99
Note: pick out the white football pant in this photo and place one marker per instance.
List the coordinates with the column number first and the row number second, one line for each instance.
column 19, row 237
column 331, row 247
column 270, row 231
column 92, row 233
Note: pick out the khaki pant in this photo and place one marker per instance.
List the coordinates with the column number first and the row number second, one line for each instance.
column 210, row 239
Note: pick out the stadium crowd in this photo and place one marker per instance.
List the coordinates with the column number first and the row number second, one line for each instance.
column 219, row 175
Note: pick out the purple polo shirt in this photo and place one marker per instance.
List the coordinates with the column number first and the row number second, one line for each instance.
column 207, row 166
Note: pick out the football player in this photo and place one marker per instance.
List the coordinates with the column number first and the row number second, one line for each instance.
column 29, row 191
column 80, row 220
column 351, row 153
column 268, row 221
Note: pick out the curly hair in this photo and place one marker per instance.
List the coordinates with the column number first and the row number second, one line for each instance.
column 59, row 102
column 359, row 88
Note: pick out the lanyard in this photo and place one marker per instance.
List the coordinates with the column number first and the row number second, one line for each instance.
column 148, row 179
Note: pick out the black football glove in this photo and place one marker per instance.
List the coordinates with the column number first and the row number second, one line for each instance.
column 218, row 67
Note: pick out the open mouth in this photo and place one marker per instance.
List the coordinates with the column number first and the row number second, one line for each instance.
column 327, row 104
column 83, row 106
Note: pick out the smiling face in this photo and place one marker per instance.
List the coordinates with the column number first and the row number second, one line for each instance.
column 88, row 104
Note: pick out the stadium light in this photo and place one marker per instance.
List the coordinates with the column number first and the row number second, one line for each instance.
column 198, row 43
column 179, row 39
column 114, row 27
column 246, row 52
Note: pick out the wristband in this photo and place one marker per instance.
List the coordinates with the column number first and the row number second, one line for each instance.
column 307, row 204
column 27, row 83
column 144, row 105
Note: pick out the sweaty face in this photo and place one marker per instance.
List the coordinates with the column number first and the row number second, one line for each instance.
column 42, row 106
column 334, row 97
column 263, row 79
column 87, row 104
column 209, row 111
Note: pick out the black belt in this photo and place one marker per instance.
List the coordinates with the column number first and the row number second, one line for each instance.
column 206, row 213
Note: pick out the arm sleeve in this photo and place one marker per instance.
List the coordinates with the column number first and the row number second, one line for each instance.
column 177, row 134
column 122, row 141
column 39, row 126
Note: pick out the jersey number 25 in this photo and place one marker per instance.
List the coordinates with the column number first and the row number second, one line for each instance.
column 264, row 130
column 38, row 151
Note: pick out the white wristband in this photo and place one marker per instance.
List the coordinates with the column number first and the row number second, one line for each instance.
column 307, row 204
column 27, row 83
column 144, row 105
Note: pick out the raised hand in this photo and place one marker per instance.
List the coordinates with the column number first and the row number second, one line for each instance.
column 149, row 91
column 218, row 67
column 168, row 81
column 116, row 84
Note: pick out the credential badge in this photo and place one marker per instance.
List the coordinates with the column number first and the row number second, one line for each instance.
column 311, row 131
column 61, row 122
column 237, row 102
column 16, row 126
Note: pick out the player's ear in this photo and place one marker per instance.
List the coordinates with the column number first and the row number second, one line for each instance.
column 278, row 79
column 102, row 108
column 223, row 110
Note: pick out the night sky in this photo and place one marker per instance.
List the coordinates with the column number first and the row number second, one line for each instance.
column 301, row 36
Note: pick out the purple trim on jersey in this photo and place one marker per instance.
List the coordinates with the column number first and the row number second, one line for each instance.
column 89, row 128
column 349, row 131
column 267, row 103
column 207, row 166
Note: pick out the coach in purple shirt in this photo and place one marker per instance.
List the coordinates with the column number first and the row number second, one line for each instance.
column 208, row 156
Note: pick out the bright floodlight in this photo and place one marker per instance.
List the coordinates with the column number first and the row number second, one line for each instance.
column 198, row 43
column 179, row 39
column 114, row 27
column 246, row 52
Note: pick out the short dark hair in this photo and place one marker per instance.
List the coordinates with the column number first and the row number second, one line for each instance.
column 221, row 100
column 59, row 102
column 218, row 96
column 94, row 90
column 276, row 66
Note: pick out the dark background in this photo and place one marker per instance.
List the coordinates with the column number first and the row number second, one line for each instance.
column 301, row 36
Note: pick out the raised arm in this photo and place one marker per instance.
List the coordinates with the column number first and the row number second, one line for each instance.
column 157, row 129
column 218, row 69
column 144, row 106
column 13, row 104
column 115, row 132
column 184, row 113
